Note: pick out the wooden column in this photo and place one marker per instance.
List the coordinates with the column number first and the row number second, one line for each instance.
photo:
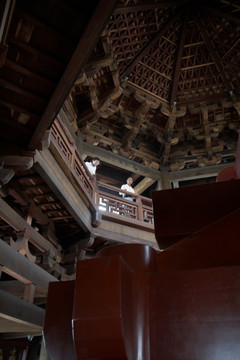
column 164, row 183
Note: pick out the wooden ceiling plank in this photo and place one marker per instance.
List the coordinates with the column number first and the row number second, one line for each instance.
column 151, row 43
column 81, row 54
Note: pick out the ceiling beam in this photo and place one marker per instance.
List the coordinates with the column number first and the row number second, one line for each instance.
column 82, row 52
column 150, row 44
column 22, row 70
column 199, row 173
column 136, row 168
column 179, row 60
column 117, row 160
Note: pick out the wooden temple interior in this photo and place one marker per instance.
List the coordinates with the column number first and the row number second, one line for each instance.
column 151, row 88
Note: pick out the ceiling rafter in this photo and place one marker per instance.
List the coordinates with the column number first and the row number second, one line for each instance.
column 179, row 60
column 149, row 6
column 21, row 109
column 213, row 53
column 19, row 90
column 22, row 70
column 151, row 43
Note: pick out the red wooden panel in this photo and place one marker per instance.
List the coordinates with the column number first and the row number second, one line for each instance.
column 102, row 315
column 183, row 211
column 141, row 258
column 215, row 245
column 195, row 315
column 58, row 321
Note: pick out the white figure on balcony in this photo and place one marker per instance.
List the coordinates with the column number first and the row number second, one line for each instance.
column 92, row 165
column 128, row 187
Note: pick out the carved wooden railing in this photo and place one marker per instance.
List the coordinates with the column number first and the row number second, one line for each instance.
column 65, row 145
column 105, row 197
column 112, row 202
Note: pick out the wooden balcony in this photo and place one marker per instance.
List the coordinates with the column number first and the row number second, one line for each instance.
column 103, row 201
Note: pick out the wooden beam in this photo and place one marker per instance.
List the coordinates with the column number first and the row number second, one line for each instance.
column 34, row 76
column 17, row 162
column 29, row 95
column 5, row 176
column 6, row 11
column 199, row 173
column 20, row 311
column 150, row 44
column 143, row 185
column 23, row 110
column 16, row 288
column 149, row 6
column 120, row 233
column 82, row 52
column 19, row 224
column 116, row 160
column 24, row 270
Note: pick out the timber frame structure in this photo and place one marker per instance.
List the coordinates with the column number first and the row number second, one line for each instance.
column 150, row 87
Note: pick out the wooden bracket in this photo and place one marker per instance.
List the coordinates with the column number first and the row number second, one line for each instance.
column 21, row 245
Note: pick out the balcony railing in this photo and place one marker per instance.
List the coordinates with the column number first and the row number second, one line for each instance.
column 110, row 200
column 100, row 196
